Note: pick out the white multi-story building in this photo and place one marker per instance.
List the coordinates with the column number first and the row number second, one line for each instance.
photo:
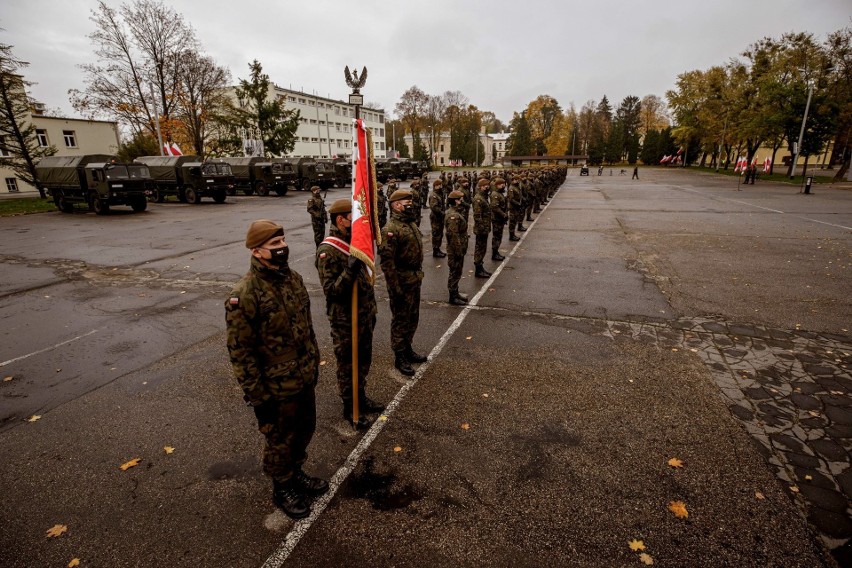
column 498, row 141
column 325, row 125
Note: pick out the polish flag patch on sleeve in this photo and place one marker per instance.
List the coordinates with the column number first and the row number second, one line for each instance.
column 234, row 301
column 390, row 234
column 322, row 255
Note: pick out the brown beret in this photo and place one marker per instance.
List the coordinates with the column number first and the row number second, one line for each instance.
column 340, row 206
column 261, row 231
column 437, row 183
column 399, row 194
column 455, row 194
column 482, row 182
column 499, row 180
column 313, row 187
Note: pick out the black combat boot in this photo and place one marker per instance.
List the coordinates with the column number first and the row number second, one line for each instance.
column 438, row 253
column 289, row 498
column 521, row 228
column 413, row 356
column 311, row 486
column 363, row 421
column 457, row 299
column 481, row 272
column 514, row 237
column 529, row 218
column 368, row 405
column 495, row 255
column 402, row 365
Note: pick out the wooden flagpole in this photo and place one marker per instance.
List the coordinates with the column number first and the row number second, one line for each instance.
column 355, row 352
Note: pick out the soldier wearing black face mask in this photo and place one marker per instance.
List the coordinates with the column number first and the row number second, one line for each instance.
column 275, row 359
column 402, row 263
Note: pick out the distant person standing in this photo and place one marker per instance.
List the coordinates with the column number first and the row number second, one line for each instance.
column 635, row 173
column 319, row 216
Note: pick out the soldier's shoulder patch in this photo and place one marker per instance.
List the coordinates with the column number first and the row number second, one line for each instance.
column 390, row 234
column 234, row 301
column 323, row 255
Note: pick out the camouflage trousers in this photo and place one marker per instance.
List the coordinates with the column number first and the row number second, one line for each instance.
column 516, row 217
column 437, row 230
column 480, row 244
column 455, row 262
column 341, row 337
column 319, row 230
column 405, row 315
column 496, row 237
column 529, row 210
column 288, row 437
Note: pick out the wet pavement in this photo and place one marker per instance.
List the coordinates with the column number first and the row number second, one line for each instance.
column 671, row 317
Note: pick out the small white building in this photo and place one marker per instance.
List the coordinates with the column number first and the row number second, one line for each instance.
column 70, row 136
column 442, row 144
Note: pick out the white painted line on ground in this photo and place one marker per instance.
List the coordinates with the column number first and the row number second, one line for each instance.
column 765, row 208
column 4, row 363
column 300, row 528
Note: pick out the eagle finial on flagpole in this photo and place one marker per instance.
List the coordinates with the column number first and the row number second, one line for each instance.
column 353, row 80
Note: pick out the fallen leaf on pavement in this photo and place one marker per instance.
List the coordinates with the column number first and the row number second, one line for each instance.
column 636, row 545
column 679, row 509
column 646, row 559
column 794, row 489
column 465, row 426
column 759, row 495
column 469, row 337
column 808, row 478
column 34, row 417
column 322, row 363
column 7, row 379
column 132, row 463
column 74, row 562
column 485, row 395
column 674, row 462
column 168, row 449
column 397, row 449
column 56, row 530
column 383, row 418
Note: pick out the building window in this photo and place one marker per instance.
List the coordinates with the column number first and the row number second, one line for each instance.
column 291, row 99
column 346, row 143
column 381, row 119
column 12, row 185
column 382, row 145
column 381, row 131
column 442, row 160
column 442, row 149
column 337, row 110
column 323, row 140
column 322, row 123
column 313, row 139
column 4, row 150
column 305, row 139
column 312, row 102
column 41, row 134
column 70, row 138
column 313, row 121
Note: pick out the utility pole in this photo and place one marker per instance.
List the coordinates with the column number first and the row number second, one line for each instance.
column 157, row 119
column 798, row 149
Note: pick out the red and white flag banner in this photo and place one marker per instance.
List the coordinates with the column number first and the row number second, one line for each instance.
column 365, row 218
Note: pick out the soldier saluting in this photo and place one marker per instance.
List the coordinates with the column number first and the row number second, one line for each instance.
column 402, row 263
column 275, row 359
column 338, row 272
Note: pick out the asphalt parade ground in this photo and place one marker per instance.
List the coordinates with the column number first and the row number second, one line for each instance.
column 658, row 372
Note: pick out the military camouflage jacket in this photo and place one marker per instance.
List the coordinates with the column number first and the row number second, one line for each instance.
column 516, row 201
column 271, row 341
column 457, row 236
column 499, row 214
column 316, row 207
column 402, row 252
column 436, row 203
column 332, row 263
column 382, row 202
column 481, row 214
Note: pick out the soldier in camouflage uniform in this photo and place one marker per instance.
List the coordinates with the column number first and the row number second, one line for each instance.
column 457, row 238
column 481, row 227
column 402, row 263
column 499, row 216
column 381, row 204
column 275, row 359
column 527, row 192
column 417, row 198
column 338, row 272
column 516, row 210
column 436, row 218
column 467, row 200
column 319, row 216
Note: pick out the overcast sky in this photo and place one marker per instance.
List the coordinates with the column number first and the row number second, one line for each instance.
column 501, row 54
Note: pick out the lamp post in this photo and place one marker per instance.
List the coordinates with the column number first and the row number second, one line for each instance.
column 797, row 149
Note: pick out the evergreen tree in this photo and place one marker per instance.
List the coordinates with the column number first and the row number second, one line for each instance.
column 649, row 154
column 17, row 133
column 140, row 144
column 519, row 142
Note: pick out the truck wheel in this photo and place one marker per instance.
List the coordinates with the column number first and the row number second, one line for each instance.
column 139, row 204
column 191, row 196
column 62, row 204
column 248, row 190
column 261, row 189
column 231, row 191
column 182, row 194
column 220, row 196
column 306, row 185
column 281, row 190
column 100, row 206
column 156, row 196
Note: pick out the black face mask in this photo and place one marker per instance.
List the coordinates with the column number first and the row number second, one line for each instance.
column 279, row 256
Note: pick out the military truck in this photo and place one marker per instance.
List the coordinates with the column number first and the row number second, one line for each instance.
column 94, row 179
column 257, row 175
column 326, row 174
column 405, row 168
column 420, row 168
column 386, row 168
column 188, row 177
column 288, row 172
column 306, row 172
column 342, row 172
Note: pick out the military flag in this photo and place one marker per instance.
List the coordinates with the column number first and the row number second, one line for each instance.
column 365, row 218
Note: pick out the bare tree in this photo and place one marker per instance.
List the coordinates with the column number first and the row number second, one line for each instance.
column 411, row 108
column 19, row 145
column 201, row 94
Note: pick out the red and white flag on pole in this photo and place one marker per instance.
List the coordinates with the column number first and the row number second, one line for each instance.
column 365, row 218
column 767, row 165
column 171, row 149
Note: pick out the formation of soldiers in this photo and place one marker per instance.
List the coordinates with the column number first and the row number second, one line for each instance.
column 273, row 349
